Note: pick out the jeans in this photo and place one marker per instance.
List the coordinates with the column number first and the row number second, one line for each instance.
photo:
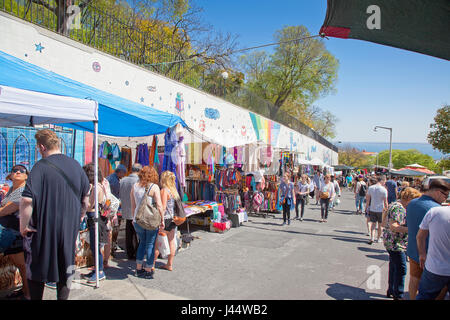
column 92, row 244
column 431, row 285
column 359, row 202
column 300, row 201
column 147, row 240
column 324, row 207
column 397, row 273
column 286, row 212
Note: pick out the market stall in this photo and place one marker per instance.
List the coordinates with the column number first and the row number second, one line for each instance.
column 111, row 111
column 24, row 107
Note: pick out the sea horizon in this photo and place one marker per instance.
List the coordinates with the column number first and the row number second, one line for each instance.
column 422, row 147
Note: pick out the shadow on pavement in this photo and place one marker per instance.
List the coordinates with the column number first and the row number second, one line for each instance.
column 371, row 250
column 341, row 291
column 351, row 232
column 382, row 257
column 355, row 240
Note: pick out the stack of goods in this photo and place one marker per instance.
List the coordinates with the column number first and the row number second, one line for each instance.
column 231, row 200
column 238, row 217
column 219, row 221
column 9, row 275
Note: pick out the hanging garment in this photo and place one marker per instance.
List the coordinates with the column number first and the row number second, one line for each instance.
column 114, row 156
column 180, row 152
column 142, row 154
column 152, row 151
column 126, row 158
column 170, row 143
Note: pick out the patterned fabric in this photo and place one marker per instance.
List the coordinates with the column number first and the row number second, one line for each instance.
column 395, row 241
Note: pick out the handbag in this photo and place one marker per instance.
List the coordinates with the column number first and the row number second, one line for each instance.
column 180, row 214
column 109, row 208
column 148, row 216
column 324, row 195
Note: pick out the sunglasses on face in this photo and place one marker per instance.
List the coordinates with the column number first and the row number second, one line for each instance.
column 15, row 170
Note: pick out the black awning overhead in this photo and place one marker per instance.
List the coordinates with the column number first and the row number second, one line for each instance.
column 416, row 25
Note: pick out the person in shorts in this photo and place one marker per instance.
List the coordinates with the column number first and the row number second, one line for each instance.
column 376, row 203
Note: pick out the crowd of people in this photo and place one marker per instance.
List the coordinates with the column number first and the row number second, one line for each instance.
column 41, row 214
column 410, row 221
column 414, row 226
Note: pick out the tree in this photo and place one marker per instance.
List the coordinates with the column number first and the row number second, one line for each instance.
column 402, row 158
column 351, row 156
column 439, row 136
column 301, row 69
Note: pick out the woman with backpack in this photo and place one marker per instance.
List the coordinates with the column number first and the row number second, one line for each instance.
column 147, row 185
column 169, row 195
column 360, row 194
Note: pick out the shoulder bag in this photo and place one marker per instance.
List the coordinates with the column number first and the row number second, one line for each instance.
column 148, row 215
column 180, row 214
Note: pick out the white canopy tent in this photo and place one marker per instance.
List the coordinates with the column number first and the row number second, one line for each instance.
column 24, row 108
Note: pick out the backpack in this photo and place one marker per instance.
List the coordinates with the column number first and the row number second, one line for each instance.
column 148, row 216
column 362, row 190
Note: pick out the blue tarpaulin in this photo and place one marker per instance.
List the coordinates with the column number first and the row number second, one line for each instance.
column 117, row 116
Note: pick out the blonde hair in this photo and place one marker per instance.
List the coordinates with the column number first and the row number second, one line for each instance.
column 405, row 184
column 409, row 194
column 168, row 181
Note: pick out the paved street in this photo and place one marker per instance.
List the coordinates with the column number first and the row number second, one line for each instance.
column 262, row 260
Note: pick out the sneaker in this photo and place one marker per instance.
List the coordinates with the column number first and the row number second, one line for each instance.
column 378, row 241
column 88, row 275
column 140, row 273
column 93, row 278
column 370, row 242
column 284, row 223
column 289, row 222
column 301, row 219
column 51, row 285
column 148, row 275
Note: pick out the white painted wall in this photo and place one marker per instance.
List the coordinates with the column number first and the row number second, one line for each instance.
column 232, row 127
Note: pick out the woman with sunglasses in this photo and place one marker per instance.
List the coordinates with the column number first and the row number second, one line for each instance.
column 9, row 218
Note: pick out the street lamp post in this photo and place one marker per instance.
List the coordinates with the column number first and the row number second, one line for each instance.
column 224, row 77
column 390, row 144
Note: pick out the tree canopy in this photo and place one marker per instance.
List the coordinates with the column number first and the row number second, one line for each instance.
column 439, row 136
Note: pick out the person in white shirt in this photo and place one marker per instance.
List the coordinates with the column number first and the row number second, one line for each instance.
column 326, row 195
column 436, row 261
column 337, row 190
column 376, row 199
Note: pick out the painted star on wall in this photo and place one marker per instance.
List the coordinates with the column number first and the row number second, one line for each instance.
column 39, row 47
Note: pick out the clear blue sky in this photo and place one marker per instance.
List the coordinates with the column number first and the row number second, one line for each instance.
column 377, row 85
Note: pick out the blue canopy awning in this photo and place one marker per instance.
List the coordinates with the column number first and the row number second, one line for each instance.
column 117, row 116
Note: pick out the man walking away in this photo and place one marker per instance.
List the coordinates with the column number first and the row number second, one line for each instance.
column 376, row 204
column 391, row 186
column 435, row 263
column 416, row 210
column 53, row 202
column 126, row 184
